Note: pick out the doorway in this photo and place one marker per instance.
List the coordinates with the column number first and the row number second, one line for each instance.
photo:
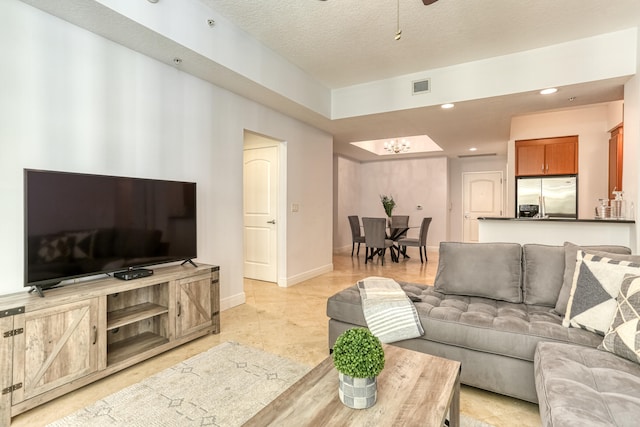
column 482, row 195
column 261, row 198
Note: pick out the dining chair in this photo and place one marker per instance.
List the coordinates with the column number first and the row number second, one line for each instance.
column 420, row 242
column 356, row 235
column 399, row 221
column 376, row 239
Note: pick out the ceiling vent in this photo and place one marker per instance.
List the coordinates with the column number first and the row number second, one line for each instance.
column 421, row 86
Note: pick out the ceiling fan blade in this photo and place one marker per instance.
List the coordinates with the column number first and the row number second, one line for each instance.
column 428, row 2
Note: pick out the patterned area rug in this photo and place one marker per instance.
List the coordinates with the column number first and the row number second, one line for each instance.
column 224, row 386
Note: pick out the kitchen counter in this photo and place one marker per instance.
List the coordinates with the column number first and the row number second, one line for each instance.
column 621, row 221
column 556, row 231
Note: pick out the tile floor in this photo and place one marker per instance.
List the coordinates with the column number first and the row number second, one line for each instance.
column 291, row 322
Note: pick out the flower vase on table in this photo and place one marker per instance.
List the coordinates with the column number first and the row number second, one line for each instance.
column 388, row 204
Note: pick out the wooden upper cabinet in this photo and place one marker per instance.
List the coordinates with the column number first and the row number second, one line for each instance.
column 615, row 160
column 547, row 156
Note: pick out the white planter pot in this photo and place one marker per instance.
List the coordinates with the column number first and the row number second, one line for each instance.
column 357, row 393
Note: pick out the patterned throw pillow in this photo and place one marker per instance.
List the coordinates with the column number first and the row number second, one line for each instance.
column 596, row 284
column 623, row 337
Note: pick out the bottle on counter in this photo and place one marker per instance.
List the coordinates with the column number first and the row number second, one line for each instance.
column 618, row 207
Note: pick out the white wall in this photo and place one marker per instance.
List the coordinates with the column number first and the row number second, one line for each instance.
column 411, row 182
column 591, row 124
column 347, row 183
column 630, row 174
column 74, row 101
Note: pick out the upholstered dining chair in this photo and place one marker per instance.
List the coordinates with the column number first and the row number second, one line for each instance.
column 399, row 221
column 356, row 235
column 420, row 242
column 375, row 238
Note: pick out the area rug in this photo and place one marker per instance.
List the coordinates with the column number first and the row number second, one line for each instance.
column 224, row 386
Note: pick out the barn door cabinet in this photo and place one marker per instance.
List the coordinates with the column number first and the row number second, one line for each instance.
column 80, row 333
column 547, row 156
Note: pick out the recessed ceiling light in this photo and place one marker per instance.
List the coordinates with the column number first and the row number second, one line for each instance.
column 548, row 91
column 447, row 106
column 473, row 149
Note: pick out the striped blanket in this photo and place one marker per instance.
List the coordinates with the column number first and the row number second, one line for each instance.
column 390, row 314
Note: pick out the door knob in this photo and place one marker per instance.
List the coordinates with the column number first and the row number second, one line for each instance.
column 273, row 221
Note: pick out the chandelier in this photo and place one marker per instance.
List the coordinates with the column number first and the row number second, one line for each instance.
column 394, row 146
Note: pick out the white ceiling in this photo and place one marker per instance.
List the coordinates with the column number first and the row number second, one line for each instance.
column 342, row 43
column 346, row 42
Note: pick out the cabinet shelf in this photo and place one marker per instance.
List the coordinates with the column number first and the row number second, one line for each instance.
column 133, row 346
column 132, row 314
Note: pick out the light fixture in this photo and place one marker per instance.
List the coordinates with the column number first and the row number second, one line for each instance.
column 396, row 147
column 548, row 91
column 473, row 149
column 447, row 106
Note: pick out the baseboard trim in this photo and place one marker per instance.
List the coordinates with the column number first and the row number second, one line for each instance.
column 232, row 301
column 293, row 280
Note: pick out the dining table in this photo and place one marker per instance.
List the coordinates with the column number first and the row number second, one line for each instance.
column 395, row 233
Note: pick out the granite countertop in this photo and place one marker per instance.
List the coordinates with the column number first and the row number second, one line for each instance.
column 608, row 221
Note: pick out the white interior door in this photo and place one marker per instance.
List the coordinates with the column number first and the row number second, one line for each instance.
column 482, row 196
column 260, row 213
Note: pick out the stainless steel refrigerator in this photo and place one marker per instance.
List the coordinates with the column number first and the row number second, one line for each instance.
column 557, row 197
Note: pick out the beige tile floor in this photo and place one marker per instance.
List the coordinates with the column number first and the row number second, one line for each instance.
column 290, row 322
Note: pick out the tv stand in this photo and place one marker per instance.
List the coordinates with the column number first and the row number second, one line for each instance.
column 84, row 332
column 190, row 261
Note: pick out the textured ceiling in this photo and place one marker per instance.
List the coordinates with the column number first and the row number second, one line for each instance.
column 345, row 42
column 342, row 43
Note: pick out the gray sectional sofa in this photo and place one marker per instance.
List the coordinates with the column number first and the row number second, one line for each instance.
column 498, row 308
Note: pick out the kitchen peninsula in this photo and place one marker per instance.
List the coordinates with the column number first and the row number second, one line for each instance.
column 556, row 231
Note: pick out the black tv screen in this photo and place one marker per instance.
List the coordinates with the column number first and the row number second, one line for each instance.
column 80, row 225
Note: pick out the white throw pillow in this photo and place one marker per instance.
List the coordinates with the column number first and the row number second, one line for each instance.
column 596, row 284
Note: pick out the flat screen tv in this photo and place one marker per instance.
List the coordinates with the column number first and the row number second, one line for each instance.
column 80, row 225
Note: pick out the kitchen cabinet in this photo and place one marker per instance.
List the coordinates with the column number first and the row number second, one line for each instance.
column 615, row 160
column 547, row 156
column 80, row 333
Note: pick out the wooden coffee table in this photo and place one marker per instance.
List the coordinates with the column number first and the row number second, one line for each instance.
column 413, row 389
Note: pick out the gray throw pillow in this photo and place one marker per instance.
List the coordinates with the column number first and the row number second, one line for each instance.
column 596, row 284
column 543, row 274
column 490, row 270
column 570, row 255
column 621, row 339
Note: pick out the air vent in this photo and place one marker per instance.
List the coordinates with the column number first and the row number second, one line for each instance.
column 421, row 86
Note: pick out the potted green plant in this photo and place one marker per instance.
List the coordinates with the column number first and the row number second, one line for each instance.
column 359, row 358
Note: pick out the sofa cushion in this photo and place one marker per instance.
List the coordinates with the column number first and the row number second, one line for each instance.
column 543, row 273
column 596, row 284
column 490, row 270
column 579, row 386
column 476, row 323
column 570, row 255
column 621, row 339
